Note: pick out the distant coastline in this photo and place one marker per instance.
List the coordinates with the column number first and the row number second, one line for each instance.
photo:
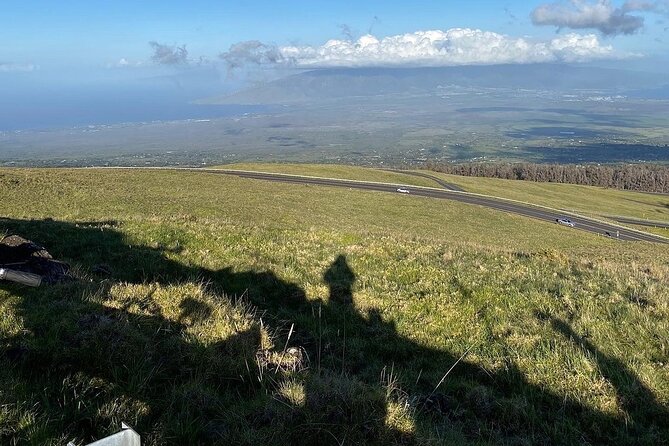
column 51, row 110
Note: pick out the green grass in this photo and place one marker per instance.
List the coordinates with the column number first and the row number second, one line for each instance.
column 246, row 312
column 588, row 200
column 664, row 232
column 335, row 171
column 127, row 194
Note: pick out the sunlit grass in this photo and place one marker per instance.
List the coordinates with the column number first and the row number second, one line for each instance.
column 335, row 171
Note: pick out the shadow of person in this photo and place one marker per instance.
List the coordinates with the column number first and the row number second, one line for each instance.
column 86, row 360
column 340, row 279
column 81, row 362
column 501, row 406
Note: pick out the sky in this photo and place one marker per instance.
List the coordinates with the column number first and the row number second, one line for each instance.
column 65, row 62
column 81, row 39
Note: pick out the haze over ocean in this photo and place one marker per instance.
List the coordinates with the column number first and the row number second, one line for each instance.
column 30, row 106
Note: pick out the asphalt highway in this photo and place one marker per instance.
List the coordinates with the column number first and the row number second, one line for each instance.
column 536, row 212
column 439, row 181
column 636, row 221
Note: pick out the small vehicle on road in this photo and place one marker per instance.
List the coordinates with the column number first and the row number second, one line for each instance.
column 401, row 190
column 565, row 222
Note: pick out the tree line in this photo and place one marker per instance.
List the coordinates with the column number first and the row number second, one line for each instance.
column 637, row 177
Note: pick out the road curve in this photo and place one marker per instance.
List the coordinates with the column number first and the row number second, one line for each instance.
column 536, row 212
column 439, row 181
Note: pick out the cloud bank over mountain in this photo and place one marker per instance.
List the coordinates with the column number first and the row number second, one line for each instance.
column 433, row 48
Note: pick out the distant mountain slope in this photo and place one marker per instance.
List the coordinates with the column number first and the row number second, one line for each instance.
column 652, row 93
column 349, row 82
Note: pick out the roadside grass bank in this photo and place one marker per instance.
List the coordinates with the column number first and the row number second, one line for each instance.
column 585, row 200
column 664, row 232
column 335, row 171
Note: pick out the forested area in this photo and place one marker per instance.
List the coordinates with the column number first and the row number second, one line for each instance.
column 638, row 177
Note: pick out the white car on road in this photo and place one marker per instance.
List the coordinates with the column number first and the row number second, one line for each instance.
column 565, row 222
column 401, row 190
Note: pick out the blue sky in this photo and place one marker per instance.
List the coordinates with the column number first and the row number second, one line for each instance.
column 90, row 35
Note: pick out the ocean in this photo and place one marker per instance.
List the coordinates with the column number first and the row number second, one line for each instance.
column 30, row 107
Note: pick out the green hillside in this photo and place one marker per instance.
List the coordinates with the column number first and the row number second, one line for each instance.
column 586, row 200
column 211, row 309
column 589, row 200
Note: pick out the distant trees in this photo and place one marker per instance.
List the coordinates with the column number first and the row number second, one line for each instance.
column 638, row 177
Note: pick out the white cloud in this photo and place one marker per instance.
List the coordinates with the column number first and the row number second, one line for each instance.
column 252, row 52
column 660, row 6
column 457, row 46
column 124, row 62
column 601, row 15
column 169, row 54
column 14, row 67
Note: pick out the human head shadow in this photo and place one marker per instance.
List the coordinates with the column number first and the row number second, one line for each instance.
column 340, row 279
column 65, row 330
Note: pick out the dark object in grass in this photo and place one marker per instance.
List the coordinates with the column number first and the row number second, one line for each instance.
column 102, row 269
column 19, row 254
column 438, row 403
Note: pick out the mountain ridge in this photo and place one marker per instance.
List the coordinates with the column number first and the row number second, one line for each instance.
column 336, row 83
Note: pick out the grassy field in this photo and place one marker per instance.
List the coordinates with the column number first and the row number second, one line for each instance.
column 664, row 232
column 336, row 171
column 586, row 200
column 212, row 309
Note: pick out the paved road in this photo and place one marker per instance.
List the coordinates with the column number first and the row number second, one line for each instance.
column 439, row 181
column 635, row 221
column 539, row 213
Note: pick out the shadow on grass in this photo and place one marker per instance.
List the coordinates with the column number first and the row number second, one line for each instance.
column 644, row 411
column 79, row 366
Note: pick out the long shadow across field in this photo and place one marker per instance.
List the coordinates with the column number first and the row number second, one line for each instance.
column 80, row 365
